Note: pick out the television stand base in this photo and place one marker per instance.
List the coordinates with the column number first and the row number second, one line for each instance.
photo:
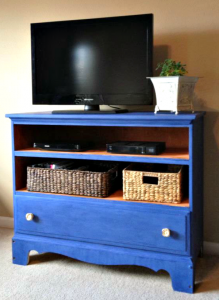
column 90, row 109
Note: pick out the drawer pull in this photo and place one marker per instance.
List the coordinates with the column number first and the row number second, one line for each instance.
column 29, row 216
column 165, row 232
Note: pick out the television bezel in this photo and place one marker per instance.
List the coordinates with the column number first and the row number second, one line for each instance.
column 113, row 99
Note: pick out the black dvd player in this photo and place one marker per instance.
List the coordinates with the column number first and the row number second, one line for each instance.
column 76, row 146
column 153, row 148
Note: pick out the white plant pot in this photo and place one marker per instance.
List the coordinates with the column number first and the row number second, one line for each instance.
column 174, row 93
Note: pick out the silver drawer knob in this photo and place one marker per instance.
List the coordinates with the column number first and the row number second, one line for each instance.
column 29, row 216
column 165, row 232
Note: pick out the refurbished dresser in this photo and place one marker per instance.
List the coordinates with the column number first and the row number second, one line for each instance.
column 111, row 231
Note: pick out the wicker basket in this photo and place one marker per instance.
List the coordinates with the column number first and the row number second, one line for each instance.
column 148, row 182
column 98, row 181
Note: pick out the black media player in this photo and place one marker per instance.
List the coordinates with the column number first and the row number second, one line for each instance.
column 71, row 147
column 147, row 148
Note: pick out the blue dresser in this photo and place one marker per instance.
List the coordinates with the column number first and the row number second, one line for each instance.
column 111, row 231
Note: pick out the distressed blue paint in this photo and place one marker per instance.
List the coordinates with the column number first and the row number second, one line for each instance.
column 132, row 119
column 131, row 115
column 124, row 123
column 190, row 167
column 108, row 232
column 121, row 226
column 180, row 268
column 197, row 187
column 13, row 173
column 107, row 157
column 129, row 204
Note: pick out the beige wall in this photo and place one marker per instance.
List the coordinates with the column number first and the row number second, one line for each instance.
column 185, row 30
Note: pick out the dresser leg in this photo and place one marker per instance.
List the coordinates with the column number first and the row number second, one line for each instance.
column 182, row 276
column 20, row 253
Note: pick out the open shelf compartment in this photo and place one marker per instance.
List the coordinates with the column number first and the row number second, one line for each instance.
column 176, row 149
column 21, row 164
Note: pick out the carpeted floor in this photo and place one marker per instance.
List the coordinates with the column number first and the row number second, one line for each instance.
column 51, row 276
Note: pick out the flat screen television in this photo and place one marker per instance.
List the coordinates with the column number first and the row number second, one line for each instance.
column 93, row 62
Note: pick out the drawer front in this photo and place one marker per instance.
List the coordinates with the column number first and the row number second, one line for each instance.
column 103, row 223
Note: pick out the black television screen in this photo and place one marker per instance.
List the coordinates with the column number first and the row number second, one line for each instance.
column 95, row 61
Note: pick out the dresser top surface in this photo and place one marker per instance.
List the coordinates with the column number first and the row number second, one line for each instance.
column 144, row 116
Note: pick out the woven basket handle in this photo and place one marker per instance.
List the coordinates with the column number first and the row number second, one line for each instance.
column 147, row 178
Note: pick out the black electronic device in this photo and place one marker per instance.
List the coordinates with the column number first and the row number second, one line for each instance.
column 147, row 148
column 71, row 147
column 93, row 62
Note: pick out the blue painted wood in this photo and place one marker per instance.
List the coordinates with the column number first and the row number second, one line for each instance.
column 146, row 206
column 118, row 232
column 81, row 155
column 103, row 224
column 196, row 191
column 130, row 116
column 13, row 174
column 132, row 119
column 180, row 268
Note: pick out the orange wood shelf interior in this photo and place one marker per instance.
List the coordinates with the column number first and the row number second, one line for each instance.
column 172, row 153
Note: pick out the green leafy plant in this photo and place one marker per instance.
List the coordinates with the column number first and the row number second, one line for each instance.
column 171, row 68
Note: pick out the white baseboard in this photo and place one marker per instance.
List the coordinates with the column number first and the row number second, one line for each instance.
column 6, row 222
column 209, row 247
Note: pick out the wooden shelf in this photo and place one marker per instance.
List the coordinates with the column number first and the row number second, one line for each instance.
column 176, row 155
column 116, row 196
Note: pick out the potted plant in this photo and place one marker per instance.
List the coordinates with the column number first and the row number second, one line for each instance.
column 174, row 91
